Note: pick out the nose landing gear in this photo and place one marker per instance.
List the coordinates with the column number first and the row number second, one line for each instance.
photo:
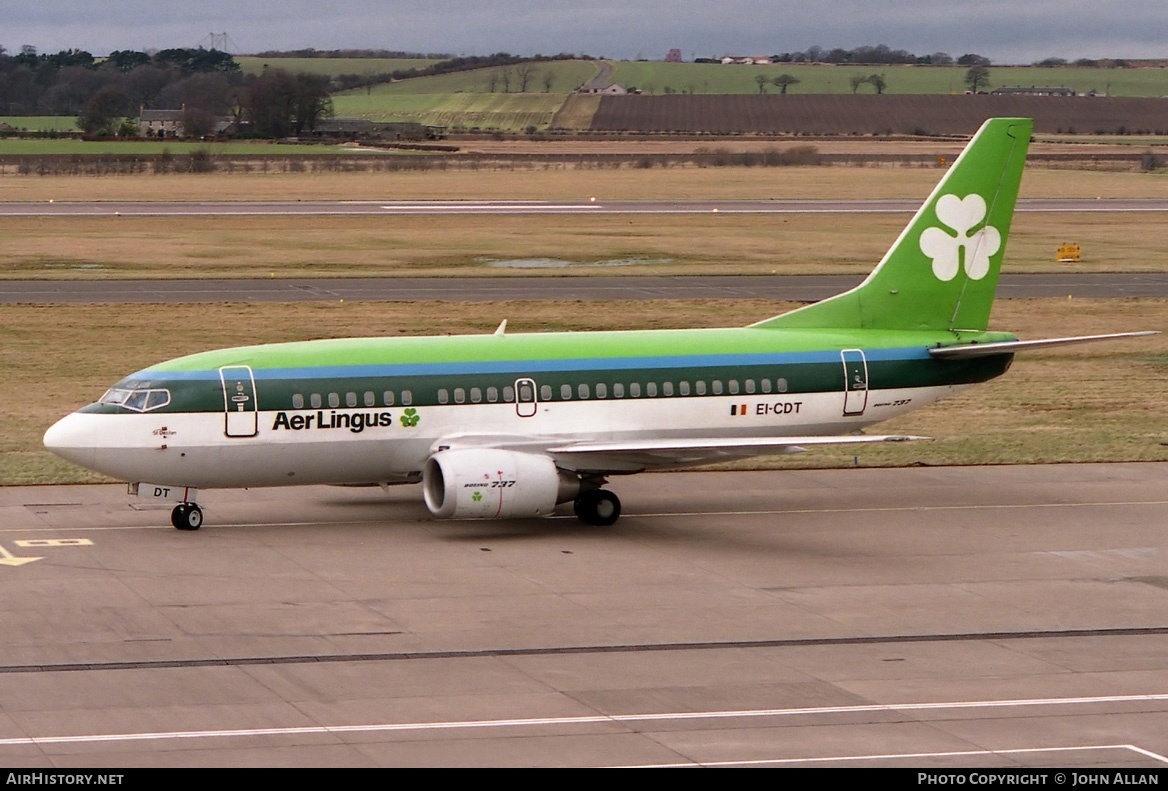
column 187, row 516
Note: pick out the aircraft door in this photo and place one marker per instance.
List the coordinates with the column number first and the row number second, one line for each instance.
column 241, row 412
column 855, row 381
column 526, row 401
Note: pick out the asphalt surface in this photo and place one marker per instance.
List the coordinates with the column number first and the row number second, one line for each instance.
column 939, row 617
column 598, row 206
column 802, row 288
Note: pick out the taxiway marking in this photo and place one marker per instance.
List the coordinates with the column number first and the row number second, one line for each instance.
column 591, row 720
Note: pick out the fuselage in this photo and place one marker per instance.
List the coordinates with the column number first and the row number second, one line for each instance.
column 372, row 410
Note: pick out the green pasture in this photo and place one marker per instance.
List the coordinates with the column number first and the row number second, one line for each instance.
column 48, row 147
column 655, row 77
column 41, row 123
column 508, row 112
column 332, row 67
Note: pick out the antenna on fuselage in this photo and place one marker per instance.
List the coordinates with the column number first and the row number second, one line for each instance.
column 502, row 328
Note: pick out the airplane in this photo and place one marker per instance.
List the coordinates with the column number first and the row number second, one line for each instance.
column 502, row 425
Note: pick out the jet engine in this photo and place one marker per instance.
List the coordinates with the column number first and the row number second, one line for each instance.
column 485, row 483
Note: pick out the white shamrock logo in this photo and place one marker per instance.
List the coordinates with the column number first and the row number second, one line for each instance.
column 961, row 214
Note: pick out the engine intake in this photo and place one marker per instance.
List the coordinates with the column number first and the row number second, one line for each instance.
column 474, row 483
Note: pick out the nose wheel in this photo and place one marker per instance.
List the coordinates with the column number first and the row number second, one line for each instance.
column 187, row 516
column 598, row 507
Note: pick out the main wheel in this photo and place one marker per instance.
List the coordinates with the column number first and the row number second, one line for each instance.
column 187, row 516
column 598, row 507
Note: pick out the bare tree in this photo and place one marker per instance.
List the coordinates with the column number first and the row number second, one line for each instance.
column 505, row 76
column 878, row 82
column 524, row 71
column 856, row 81
column 762, row 81
column 549, row 77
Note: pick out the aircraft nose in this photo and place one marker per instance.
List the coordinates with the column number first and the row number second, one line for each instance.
column 68, row 439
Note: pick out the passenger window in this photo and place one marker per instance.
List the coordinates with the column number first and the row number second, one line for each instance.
column 334, row 400
column 492, row 394
column 443, row 396
column 733, row 386
column 716, row 387
column 781, row 385
column 314, row 400
column 582, row 390
column 618, row 390
column 667, row 389
column 683, row 388
column 407, row 397
column 651, row 389
column 298, row 401
column 700, row 387
column 350, row 400
column 476, row 395
column 635, row 389
column 370, row 399
column 602, row 390
column 509, row 394
column 750, row 385
column 387, row 398
column 545, row 392
column 566, row 392
column 459, row 395
column 766, row 385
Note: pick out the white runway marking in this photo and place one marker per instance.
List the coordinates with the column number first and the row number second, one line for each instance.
column 590, row 720
column 914, row 756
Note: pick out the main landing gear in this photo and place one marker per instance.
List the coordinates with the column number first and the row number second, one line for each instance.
column 598, row 507
column 187, row 516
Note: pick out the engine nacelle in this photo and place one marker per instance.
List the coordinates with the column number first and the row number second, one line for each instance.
column 483, row 483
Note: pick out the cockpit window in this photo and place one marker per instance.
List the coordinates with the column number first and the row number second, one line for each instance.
column 138, row 400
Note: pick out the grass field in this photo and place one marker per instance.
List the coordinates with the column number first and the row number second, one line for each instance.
column 1101, row 402
column 471, row 181
column 69, row 147
column 466, row 246
column 507, row 112
column 654, row 77
column 461, row 246
column 41, row 123
column 332, row 67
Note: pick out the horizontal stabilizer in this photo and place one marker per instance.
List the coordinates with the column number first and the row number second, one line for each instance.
column 1008, row 347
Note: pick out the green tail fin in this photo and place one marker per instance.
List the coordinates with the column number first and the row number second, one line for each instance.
column 941, row 273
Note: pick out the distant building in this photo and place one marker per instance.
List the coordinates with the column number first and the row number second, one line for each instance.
column 160, row 123
column 1032, row 91
column 169, row 123
column 613, row 89
column 746, row 60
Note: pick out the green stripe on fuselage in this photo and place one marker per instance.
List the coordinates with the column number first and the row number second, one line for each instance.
column 556, row 359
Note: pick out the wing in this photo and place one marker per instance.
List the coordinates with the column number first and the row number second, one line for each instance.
column 637, row 455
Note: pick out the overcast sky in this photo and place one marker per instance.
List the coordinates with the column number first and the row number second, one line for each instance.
column 1007, row 31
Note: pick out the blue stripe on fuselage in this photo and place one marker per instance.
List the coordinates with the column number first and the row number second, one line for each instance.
column 536, row 365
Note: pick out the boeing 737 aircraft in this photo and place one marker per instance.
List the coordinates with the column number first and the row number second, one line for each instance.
column 501, row 426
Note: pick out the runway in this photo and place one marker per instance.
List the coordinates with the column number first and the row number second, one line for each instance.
column 585, row 206
column 804, row 288
column 984, row 616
